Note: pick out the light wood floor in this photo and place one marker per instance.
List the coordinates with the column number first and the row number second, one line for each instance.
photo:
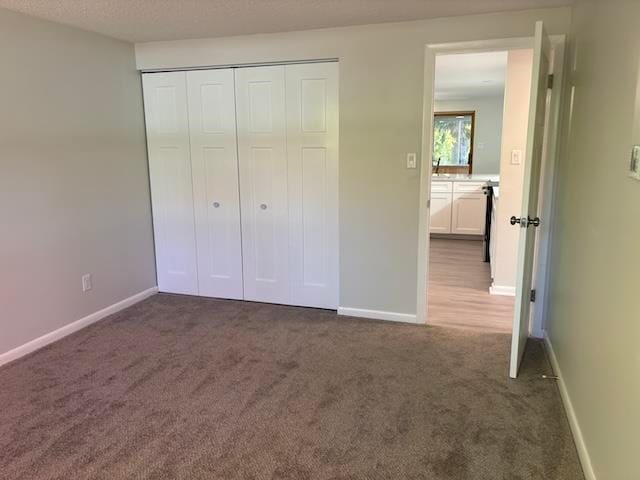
column 459, row 283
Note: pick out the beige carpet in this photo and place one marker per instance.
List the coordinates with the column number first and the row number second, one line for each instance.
column 190, row 388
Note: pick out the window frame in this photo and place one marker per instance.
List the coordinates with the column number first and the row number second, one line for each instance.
column 456, row 113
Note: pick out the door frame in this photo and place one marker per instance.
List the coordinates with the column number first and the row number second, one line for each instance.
column 547, row 181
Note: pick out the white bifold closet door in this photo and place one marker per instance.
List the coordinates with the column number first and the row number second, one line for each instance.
column 165, row 103
column 214, row 163
column 262, row 154
column 287, row 149
column 312, row 159
column 244, row 181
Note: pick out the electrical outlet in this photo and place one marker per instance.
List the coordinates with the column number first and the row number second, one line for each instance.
column 411, row 160
column 86, row 282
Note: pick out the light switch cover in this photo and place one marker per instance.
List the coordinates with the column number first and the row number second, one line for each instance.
column 411, row 161
column 516, row 157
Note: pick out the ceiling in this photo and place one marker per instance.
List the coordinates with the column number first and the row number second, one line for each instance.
column 149, row 20
column 470, row 75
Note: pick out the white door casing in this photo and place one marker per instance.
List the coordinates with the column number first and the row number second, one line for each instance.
column 533, row 161
column 312, row 157
column 260, row 107
column 214, row 163
column 165, row 104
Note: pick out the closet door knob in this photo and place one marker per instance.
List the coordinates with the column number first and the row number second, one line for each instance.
column 216, row 204
column 263, row 206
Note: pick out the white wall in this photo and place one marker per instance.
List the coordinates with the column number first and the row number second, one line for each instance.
column 514, row 137
column 381, row 91
column 74, row 192
column 594, row 317
column 487, row 129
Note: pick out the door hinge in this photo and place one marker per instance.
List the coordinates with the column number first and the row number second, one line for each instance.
column 533, row 295
column 550, row 81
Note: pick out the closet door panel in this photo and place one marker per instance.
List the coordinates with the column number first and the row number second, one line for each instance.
column 215, row 182
column 312, row 151
column 260, row 105
column 165, row 103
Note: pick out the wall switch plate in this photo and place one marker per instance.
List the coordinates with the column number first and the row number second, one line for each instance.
column 86, row 282
column 411, row 160
column 516, row 157
column 634, row 163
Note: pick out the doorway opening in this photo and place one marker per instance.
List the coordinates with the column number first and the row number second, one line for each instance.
column 482, row 254
column 481, row 103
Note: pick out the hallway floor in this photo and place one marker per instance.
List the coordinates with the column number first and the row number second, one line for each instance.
column 458, row 290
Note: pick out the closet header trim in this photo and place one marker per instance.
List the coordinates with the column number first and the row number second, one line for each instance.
column 239, row 65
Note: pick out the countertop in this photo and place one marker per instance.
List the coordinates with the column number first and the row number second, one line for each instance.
column 463, row 177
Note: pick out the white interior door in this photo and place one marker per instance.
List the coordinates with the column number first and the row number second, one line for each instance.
column 260, row 106
column 533, row 161
column 312, row 153
column 165, row 103
column 214, row 162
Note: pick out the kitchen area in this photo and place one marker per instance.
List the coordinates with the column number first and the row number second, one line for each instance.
column 477, row 156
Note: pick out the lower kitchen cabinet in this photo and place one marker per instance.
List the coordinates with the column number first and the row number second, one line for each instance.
column 468, row 213
column 457, row 208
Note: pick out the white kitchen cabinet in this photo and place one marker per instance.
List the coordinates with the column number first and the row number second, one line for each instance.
column 468, row 213
column 440, row 213
column 457, row 208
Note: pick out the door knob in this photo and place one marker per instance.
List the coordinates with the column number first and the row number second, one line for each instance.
column 216, row 204
column 525, row 222
column 263, row 206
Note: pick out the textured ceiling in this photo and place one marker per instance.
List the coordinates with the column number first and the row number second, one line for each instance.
column 148, row 20
column 470, row 75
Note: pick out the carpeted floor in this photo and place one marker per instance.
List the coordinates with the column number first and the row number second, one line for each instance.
column 191, row 388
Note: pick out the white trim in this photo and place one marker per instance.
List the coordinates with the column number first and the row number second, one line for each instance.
column 239, row 65
column 377, row 314
column 502, row 290
column 70, row 328
column 581, row 446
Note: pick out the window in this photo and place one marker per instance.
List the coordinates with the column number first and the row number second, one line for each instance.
column 453, row 141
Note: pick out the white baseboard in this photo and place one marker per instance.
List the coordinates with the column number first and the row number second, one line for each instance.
column 585, row 459
column 502, row 290
column 377, row 314
column 70, row 328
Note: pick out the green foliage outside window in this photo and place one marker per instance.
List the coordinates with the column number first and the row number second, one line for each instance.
column 452, row 139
